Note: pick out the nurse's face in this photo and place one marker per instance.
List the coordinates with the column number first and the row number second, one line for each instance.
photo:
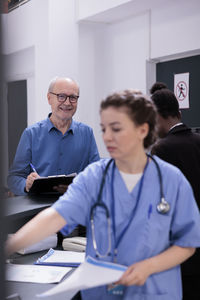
column 122, row 138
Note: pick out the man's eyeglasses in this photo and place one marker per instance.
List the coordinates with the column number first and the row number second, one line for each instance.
column 63, row 97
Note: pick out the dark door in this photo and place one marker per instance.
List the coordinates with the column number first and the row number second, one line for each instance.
column 165, row 73
column 17, row 114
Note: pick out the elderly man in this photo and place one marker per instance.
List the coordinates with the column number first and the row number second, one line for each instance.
column 57, row 145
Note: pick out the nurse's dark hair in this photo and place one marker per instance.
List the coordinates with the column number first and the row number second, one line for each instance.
column 138, row 107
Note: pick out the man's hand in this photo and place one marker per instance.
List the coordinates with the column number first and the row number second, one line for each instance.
column 30, row 179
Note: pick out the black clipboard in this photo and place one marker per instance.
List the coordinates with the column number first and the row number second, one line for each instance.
column 44, row 185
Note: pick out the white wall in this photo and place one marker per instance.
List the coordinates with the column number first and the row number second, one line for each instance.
column 107, row 57
column 106, row 45
column 63, row 40
column 19, row 28
column 175, row 28
column 93, row 72
column 128, row 48
column 89, row 8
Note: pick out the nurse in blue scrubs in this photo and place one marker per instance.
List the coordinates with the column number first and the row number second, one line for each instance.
column 151, row 241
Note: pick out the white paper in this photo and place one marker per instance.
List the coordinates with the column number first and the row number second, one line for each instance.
column 36, row 274
column 60, row 256
column 89, row 274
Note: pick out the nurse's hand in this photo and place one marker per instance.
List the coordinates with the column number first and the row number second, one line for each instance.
column 30, row 179
column 136, row 274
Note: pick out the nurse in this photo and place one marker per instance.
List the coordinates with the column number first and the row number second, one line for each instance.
column 151, row 243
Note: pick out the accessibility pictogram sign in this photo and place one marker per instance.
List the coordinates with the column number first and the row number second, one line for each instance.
column 181, row 89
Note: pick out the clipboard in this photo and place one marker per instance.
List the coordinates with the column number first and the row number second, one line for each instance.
column 44, row 185
column 61, row 258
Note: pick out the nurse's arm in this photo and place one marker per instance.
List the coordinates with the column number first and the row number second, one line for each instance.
column 138, row 273
column 46, row 223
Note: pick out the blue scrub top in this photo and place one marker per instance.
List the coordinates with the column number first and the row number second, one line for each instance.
column 51, row 152
column 149, row 233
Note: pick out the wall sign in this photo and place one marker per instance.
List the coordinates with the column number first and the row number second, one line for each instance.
column 181, row 89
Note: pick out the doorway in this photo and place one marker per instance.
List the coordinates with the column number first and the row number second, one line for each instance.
column 17, row 115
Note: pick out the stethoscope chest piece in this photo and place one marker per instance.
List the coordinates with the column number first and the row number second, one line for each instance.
column 163, row 207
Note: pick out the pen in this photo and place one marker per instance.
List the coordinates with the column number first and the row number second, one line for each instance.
column 149, row 211
column 33, row 168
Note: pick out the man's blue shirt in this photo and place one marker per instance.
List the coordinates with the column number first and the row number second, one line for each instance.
column 51, row 152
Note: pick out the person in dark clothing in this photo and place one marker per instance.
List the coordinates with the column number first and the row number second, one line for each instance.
column 157, row 86
column 179, row 146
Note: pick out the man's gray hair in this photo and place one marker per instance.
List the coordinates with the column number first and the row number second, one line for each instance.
column 53, row 81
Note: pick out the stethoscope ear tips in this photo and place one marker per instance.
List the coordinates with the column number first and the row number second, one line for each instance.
column 163, row 207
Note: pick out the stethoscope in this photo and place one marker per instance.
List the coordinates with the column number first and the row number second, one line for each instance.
column 162, row 207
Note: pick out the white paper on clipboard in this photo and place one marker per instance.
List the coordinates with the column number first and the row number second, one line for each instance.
column 35, row 274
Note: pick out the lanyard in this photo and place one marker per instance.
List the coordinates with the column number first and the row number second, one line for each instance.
column 117, row 241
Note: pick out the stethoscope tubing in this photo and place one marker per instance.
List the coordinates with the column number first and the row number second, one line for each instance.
column 163, row 207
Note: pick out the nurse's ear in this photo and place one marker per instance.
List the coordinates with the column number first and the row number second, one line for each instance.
column 143, row 130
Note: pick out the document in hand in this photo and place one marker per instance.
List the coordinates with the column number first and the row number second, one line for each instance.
column 61, row 258
column 43, row 185
column 91, row 273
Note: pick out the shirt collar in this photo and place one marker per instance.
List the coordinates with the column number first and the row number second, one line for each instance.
column 51, row 126
column 72, row 127
column 178, row 124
